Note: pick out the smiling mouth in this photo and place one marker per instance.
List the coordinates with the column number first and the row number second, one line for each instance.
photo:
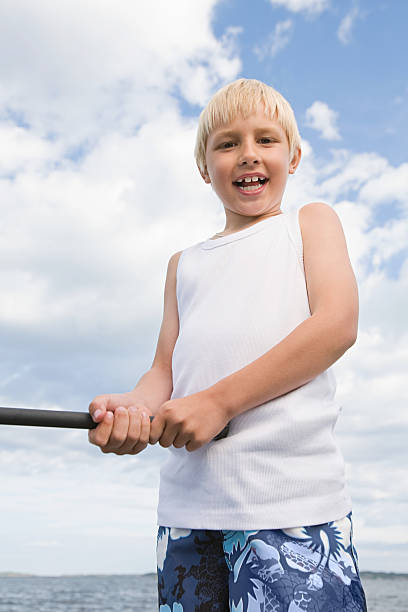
column 249, row 184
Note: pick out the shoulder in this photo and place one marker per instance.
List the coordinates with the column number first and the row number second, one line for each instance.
column 173, row 261
column 317, row 211
column 319, row 221
column 172, row 269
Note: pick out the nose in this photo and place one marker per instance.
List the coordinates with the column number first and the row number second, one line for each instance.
column 248, row 154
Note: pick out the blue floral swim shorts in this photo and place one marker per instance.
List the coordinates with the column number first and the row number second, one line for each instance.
column 312, row 568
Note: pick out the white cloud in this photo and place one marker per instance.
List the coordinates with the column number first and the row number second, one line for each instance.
column 349, row 171
column 346, row 25
column 21, row 149
column 323, row 119
column 107, row 69
column 313, row 7
column 391, row 185
column 277, row 40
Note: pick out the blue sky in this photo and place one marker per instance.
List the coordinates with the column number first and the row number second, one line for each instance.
column 361, row 75
column 98, row 188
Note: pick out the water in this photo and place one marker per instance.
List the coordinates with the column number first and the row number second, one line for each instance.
column 385, row 592
column 132, row 593
column 79, row 594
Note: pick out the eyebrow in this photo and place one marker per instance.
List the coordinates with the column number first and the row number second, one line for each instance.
column 266, row 128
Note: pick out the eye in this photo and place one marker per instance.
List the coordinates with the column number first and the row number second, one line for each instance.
column 267, row 140
column 226, row 145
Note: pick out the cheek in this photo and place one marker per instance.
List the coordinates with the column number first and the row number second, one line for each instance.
column 220, row 175
column 279, row 166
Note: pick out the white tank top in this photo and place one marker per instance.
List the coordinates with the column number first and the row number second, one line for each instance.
column 280, row 465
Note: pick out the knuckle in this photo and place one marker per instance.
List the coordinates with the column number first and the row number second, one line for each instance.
column 140, row 405
column 96, row 400
column 168, row 413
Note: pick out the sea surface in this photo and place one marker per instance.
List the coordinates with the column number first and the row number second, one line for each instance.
column 138, row 593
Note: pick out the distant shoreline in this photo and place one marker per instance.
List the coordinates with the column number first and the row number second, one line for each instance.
column 366, row 574
column 26, row 575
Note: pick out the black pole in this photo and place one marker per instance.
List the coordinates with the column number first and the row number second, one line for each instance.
column 46, row 418
column 67, row 419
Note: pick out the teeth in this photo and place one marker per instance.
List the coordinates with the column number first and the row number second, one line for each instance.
column 250, row 183
column 249, row 179
column 250, row 187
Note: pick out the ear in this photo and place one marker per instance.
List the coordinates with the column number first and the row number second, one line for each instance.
column 295, row 160
column 204, row 174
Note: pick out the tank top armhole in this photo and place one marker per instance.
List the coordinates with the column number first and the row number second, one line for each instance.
column 295, row 234
column 178, row 276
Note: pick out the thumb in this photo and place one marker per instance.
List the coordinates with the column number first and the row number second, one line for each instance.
column 156, row 428
column 97, row 409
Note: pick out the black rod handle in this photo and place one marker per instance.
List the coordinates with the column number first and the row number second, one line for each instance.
column 67, row 419
column 46, row 418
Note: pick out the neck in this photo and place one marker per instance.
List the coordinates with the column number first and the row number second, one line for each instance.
column 252, row 222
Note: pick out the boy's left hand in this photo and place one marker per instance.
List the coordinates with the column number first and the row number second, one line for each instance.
column 190, row 421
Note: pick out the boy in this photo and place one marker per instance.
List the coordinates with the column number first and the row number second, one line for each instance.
column 253, row 319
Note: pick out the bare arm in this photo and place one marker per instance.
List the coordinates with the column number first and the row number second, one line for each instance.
column 157, row 384
column 317, row 342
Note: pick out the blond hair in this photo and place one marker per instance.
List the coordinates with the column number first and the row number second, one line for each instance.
column 241, row 98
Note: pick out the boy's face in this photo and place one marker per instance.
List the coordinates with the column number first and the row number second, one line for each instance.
column 251, row 149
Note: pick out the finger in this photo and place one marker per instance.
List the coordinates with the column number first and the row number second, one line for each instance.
column 168, row 436
column 181, row 440
column 133, row 432
column 101, row 434
column 145, row 428
column 119, row 431
column 193, row 445
column 97, row 410
column 156, row 429
column 144, row 434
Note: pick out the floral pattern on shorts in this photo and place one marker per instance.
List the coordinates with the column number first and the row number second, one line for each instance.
column 313, row 568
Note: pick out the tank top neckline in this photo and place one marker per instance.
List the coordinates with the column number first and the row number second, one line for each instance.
column 247, row 231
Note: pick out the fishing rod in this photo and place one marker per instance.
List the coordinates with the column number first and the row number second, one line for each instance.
column 67, row 419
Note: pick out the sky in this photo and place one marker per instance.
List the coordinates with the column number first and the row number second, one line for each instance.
column 99, row 104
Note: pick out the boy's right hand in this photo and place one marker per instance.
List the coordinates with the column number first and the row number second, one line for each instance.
column 123, row 424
